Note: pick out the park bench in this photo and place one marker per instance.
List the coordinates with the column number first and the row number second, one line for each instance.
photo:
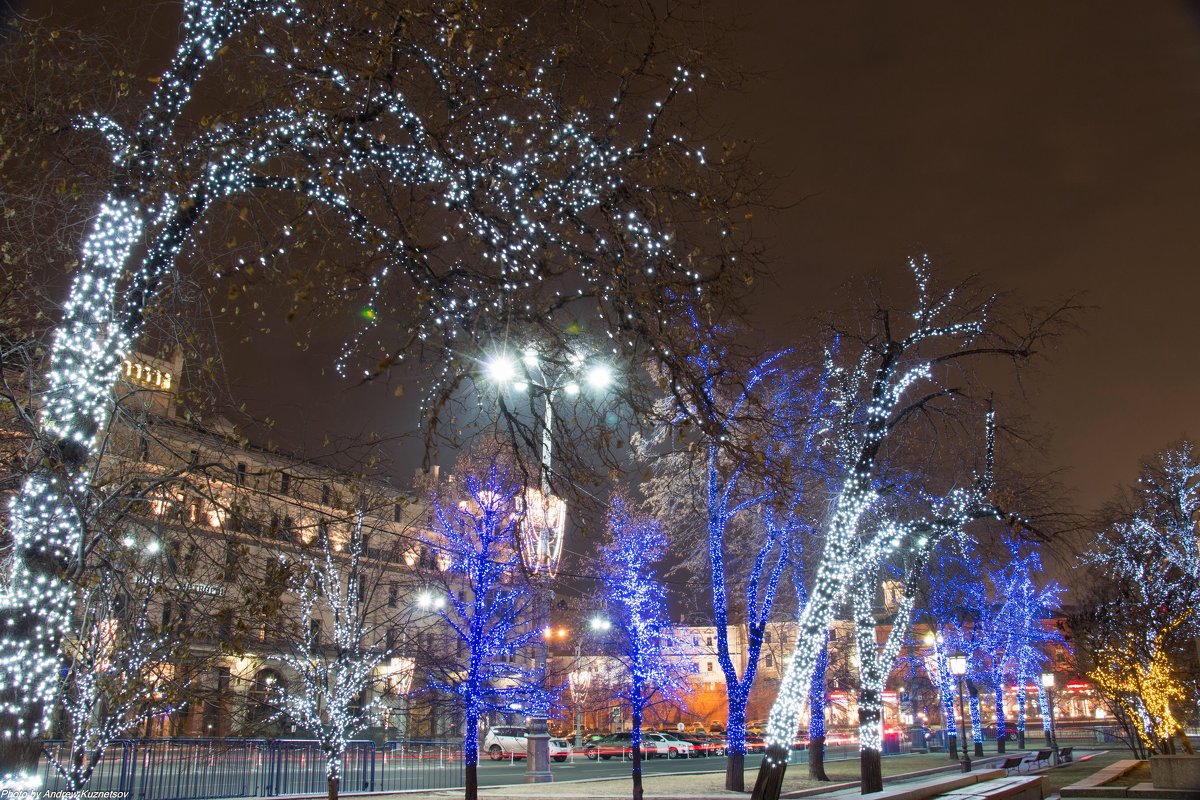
column 1064, row 754
column 1014, row 762
column 1043, row 757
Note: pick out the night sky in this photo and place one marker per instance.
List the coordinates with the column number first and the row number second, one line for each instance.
column 1051, row 148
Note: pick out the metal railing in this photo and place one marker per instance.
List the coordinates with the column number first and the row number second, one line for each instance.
column 420, row 765
column 203, row 769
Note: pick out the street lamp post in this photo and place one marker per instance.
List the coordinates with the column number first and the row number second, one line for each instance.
column 1048, row 685
column 547, row 513
column 958, row 667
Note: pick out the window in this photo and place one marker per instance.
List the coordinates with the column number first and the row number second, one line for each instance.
column 397, row 513
column 144, row 449
column 324, row 494
column 393, row 595
column 770, row 661
column 241, row 473
column 231, row 561
column 696, row 641
column 833, row 634
column 767, row 637
column 285, row 483
column 165, row 619
column 193, row 458
column 708, row 641
column 709, row 668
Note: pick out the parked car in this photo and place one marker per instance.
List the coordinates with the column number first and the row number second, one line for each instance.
column 615, row 744
column 508, row 741
column 560, row 749
column 667, row 745
column 703, row 746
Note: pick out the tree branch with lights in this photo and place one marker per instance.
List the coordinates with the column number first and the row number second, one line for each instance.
column 875, row 390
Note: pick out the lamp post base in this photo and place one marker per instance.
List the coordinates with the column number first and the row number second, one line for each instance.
column 537, row 754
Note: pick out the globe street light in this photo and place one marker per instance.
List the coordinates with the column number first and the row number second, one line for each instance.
column 541, row 374
column 1051, row 736
column 958, row 667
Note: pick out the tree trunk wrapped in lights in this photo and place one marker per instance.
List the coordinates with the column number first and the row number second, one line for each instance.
column 877, row 659
column 885, row 384
column 816, row 715
column 976, row 719
column 876, row 663
column 102, row 315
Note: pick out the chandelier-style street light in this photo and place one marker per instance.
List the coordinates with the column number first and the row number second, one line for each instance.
column 543, row 528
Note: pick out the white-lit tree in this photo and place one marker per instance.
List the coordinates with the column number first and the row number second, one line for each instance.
column 1154, row 550
column 122, row 669
column 897, row 373
column 517, row 205
column 1138, row 629
column 333, row 655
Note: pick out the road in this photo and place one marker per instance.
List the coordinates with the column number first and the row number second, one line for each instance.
column 503, row 773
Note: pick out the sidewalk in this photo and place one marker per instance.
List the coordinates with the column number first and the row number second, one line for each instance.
column 696, row 786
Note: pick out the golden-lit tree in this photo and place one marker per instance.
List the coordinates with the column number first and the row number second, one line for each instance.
column 1137, row 675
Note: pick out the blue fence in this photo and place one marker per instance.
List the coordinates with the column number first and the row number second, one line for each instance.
column 202, row 769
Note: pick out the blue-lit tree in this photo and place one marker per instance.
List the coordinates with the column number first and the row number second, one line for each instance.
column 893, row 375
column 638, row 607
column 1007, row 633
column 484, row 601
column 954, row 590
column 758, row 436
column 1030, row 608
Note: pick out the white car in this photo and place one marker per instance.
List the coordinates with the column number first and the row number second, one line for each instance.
column 508, row 741
column 667, row 746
